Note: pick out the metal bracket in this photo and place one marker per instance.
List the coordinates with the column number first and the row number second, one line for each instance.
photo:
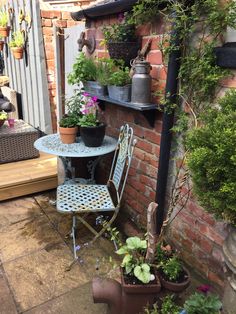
column 90, row 43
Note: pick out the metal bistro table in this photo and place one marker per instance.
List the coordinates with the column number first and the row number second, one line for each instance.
column 52, row 144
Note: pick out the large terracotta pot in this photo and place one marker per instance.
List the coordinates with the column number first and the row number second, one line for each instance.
column 17, row 52
column 124, row 298
column 174, row 286
column 93, row 136
column 4, row 31
column 68, row 135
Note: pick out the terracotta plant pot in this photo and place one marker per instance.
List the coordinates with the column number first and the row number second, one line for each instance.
column 1, row 45
column 17, row 52
column 4, row 31
column 124, row 298
column 174, row 286
column 68, row 135
column 93, row 136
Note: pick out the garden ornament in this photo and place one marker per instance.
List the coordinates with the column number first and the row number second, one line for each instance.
column 90, row 43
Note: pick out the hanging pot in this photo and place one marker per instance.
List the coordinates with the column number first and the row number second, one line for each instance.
column 1, row 45
column 4, row 31
column 68, row 135
column 93, row 136
column 17, row 52
column 126, row 51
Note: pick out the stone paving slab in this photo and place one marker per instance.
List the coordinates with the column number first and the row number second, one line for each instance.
column 41, row 276
column 7, row 305
column 27, row 236
column 17, row 210
column 77, row 301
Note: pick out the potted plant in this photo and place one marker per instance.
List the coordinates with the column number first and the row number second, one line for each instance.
column 92, row 131
column 3, row 117
column 68, row 129
column 173, row 275
column 17, row 44
column 139, row 281
column 119, row 87
column 121, row 40
column 4, row 19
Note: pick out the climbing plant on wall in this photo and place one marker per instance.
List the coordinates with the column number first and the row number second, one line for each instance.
column 200, row 27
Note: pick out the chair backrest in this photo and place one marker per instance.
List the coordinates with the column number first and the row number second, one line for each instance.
column 122, row 159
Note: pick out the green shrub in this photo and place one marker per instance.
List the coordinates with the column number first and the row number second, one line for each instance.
column 202, row 303
column 212, row 159
column 120, row 77
column 4, row 17
column 18, row 39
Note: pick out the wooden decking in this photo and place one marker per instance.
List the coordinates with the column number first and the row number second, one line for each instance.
column 28, row 176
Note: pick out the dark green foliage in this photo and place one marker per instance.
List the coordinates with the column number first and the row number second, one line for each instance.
column 168, row 306
column 120, row 77
column 202, row 303
column 172, row 268
column 122, row 31
column 68, row 122
column 84, row 69
column 212, row 159
column 88, row 120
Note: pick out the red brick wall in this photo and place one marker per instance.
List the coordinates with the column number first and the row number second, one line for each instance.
column 194, row 232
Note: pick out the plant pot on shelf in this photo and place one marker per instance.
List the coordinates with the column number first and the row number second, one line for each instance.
column 93, row 136
column 176, row 286
column 68, row 135
column 94, row 88
column 4, row 31
column 121, row 93
column 17, row 52
column 126, row 51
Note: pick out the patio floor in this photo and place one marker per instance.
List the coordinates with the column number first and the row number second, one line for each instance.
column 34, row 255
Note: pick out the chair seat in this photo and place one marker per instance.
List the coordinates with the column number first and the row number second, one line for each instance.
column 83, row 198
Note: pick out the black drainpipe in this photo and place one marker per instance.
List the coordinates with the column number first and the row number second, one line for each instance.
column 166, row 134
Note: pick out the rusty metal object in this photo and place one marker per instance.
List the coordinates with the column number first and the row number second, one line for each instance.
column 89, row 43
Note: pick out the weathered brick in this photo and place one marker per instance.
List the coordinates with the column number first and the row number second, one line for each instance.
column 47, row 31
column 216, row 278
column 144, row 30
column 145, row 146
column 152, row 137
column 155, row 57
column 60, row 23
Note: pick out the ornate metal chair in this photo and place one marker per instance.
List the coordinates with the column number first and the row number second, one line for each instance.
column 80, row 200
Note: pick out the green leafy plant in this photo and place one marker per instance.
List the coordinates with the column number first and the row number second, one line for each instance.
column 88, row 111
column 123, row 31
column 212, row 159
column 202, row 303
column 172, row 268
column 75, row 103
column 18, row 39
column 4, row 18
column 105, row 67
column 168, row 306
column 84, row 69
column 134, row 263
column 3, row 115
column 120, row 77
column 68, row 121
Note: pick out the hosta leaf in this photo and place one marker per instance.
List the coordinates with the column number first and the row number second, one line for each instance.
column 134, row 243
column 143, row 273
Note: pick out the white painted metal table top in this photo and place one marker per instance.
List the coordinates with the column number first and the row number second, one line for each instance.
column 52, row 144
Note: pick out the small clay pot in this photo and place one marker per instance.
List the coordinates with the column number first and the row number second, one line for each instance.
column 1, row 45
column 4, row 31
column 174, row 286
column 17, row 52
column 68, row 135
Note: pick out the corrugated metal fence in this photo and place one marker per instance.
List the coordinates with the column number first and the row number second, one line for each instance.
column 28, row 76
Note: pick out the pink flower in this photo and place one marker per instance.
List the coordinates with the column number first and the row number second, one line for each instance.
column 94, row 98
column 204, row 288
column 86, row 94
column 121, row 17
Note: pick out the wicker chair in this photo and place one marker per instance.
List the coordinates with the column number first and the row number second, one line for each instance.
column 80, row 200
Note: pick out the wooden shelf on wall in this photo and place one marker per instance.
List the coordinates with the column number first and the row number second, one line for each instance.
column 147, row 110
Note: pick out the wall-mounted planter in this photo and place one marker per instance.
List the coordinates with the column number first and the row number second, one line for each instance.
column 226, row 56
column 4, row 31
column 1, row 45
column 17, row 52
column 121, row 93
column 126, row 51
column 95, row 88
